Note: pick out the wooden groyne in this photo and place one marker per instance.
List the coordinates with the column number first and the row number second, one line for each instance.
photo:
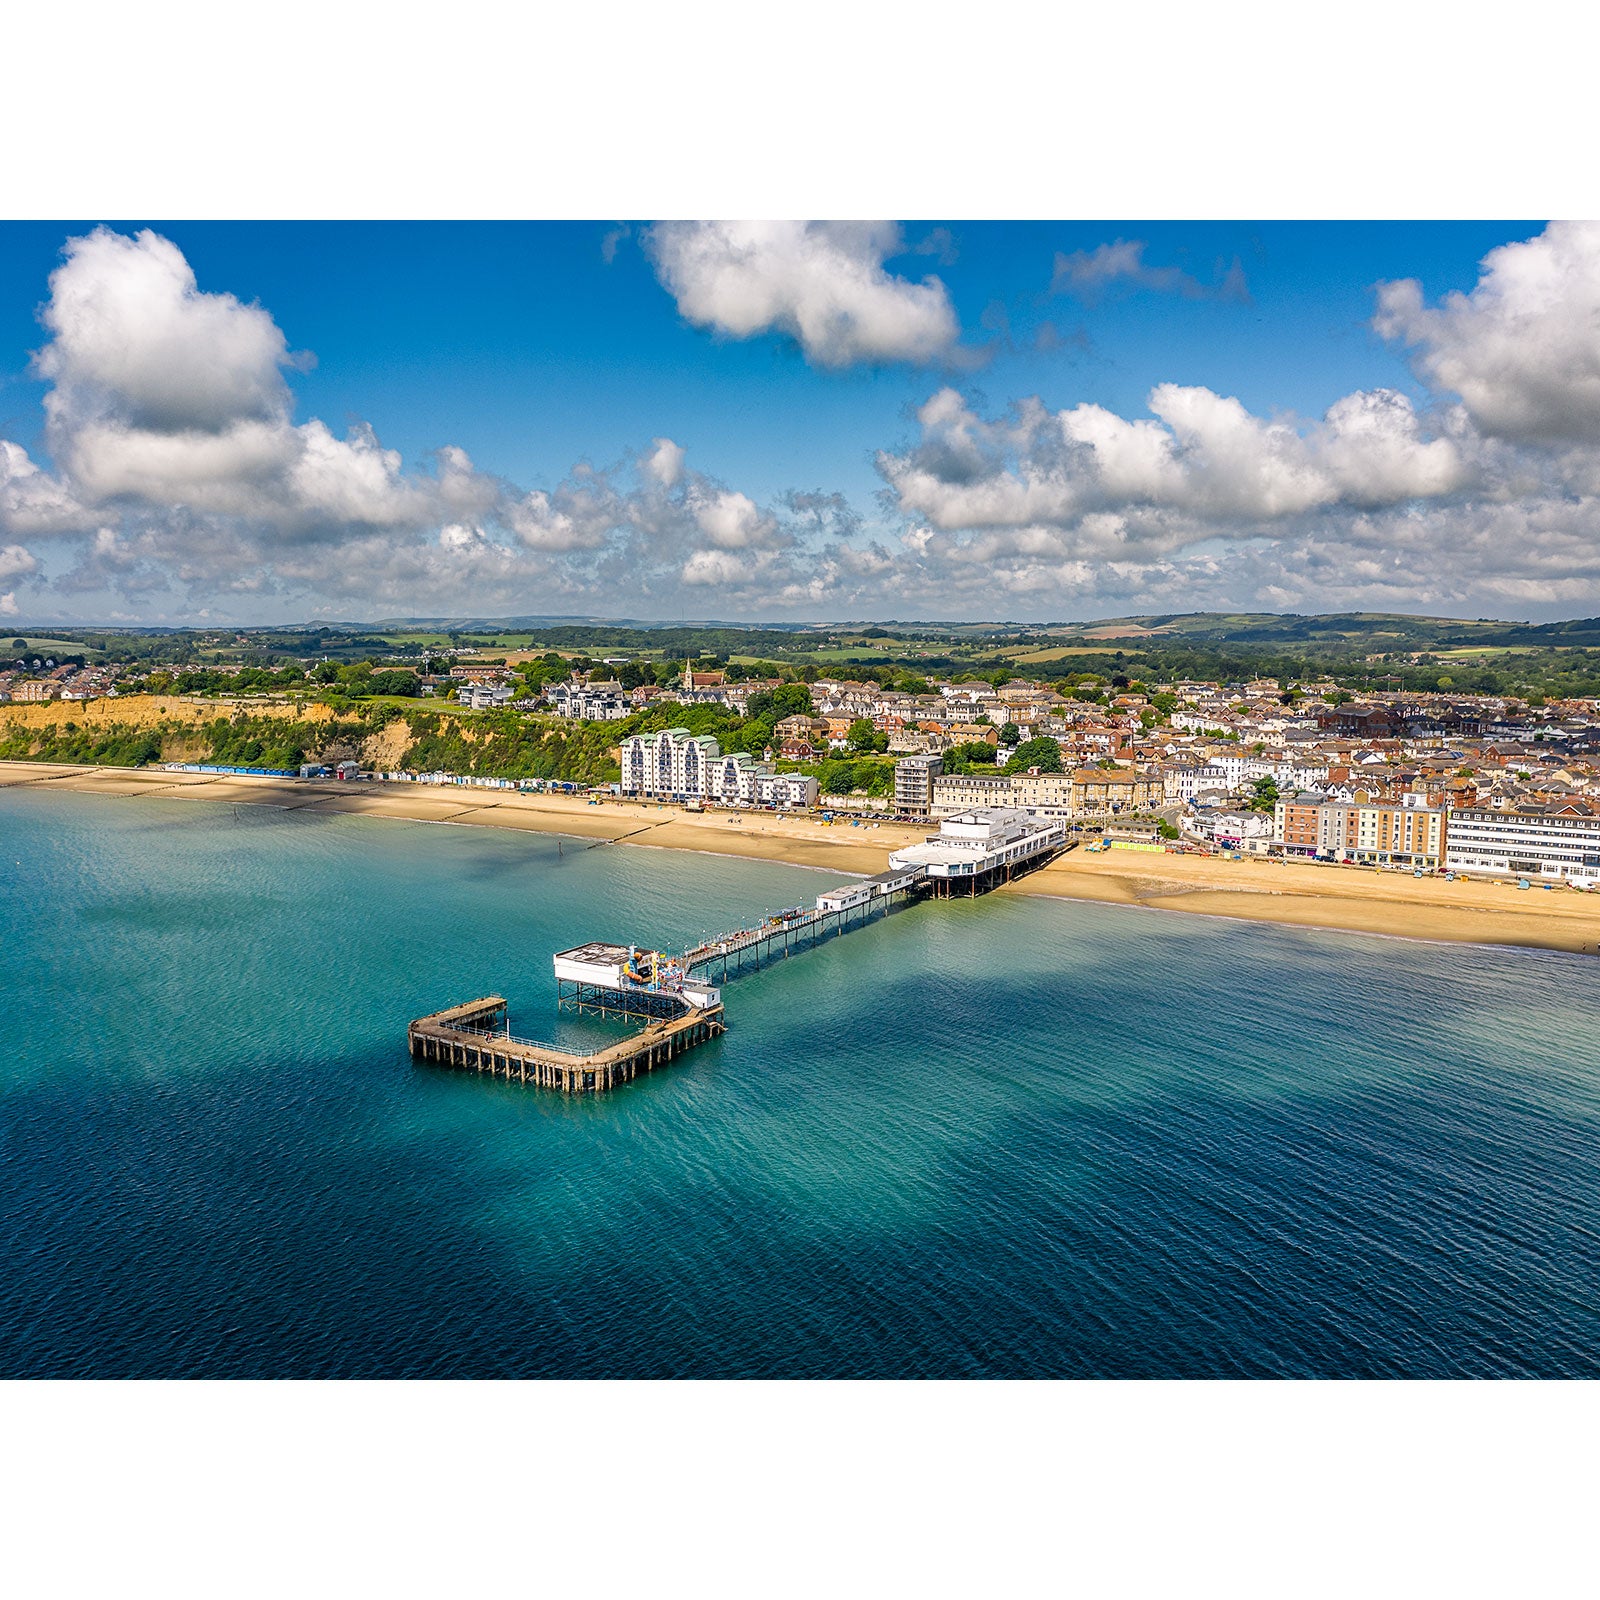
column 475, row 1037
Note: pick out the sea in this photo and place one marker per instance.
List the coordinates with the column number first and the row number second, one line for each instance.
column 1006, row 1138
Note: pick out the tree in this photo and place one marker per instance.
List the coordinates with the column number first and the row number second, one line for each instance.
column 979, row 752
column 1166, row 702
column 1266, row 794
column 1340, row 698
column 19, row 644
column 788, row 700
column 864, row 737
column 1045, row 754
column 836, row 777
column 396, row 682
column 1011, row 734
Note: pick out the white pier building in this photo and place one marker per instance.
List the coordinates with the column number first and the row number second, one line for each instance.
column 973, row 847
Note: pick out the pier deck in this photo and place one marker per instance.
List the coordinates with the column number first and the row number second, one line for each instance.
column 750, row 949
column 476, row 1037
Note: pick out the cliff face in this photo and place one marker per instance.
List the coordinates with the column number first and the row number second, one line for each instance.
column 150, row 711
column 385, row 750
column 136, row 730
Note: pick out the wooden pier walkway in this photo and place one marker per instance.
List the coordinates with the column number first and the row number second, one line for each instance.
column 749, row 949
column 475, row 1038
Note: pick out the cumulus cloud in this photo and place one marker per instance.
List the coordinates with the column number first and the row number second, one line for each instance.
column 732, row 521
column 1523, row 348
column 664, row 464
column 133, row 337
column 1088, row 273
column 164, row 394
column 181, row 483
column 1201, row 454
column 822, row 283
column 15, row 562
column 32, row 502
column 718, row 568
column 1487, row 494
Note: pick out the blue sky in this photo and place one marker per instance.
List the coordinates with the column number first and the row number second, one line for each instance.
column 540, row 348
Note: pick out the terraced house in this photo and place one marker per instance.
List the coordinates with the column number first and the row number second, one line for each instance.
column 1098, row 791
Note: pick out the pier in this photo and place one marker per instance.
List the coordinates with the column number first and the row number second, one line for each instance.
column 677, row 996
column 476, row 1037
column 838, row 911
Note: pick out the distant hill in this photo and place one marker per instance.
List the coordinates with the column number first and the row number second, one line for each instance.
column 1381, row 630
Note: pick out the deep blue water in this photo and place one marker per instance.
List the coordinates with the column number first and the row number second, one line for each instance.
column 1009, row 1138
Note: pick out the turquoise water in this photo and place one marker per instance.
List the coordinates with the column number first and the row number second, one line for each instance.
column 1011, row 1137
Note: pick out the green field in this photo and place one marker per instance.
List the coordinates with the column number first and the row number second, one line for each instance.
column 43, row 647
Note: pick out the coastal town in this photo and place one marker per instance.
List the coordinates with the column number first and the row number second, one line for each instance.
column 1291, row 768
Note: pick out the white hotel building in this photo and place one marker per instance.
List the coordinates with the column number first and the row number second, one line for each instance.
column 675, row 764
column 1554, row 842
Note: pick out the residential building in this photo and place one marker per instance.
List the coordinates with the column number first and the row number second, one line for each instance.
column 957, row 791
column 733, row 779
column 669, row 765
column 1551, row 842
column 1098, row 791
column 590, row 702
column 1385, row 834
column 675, row 764
column 1044, row 794
column 1296, row 825
column 786, row 789
column 484, row 696
column 1361, row 830
column 913, row 784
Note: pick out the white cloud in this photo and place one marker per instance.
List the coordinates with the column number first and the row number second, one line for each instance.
column 1371, row 445
column 1204, row 455
column 166, row 395
column 823, row 283
column 15, row 562
column 8, row 605
column 182, row 484
column 732, row 521
column 31, row 501
column 716, row 568
column 664, row 464
column 1523, row 348
column 134, row 338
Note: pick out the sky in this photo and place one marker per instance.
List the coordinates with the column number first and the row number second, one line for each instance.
column 280, row 422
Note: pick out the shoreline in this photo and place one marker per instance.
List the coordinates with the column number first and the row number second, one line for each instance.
column 1288, row 894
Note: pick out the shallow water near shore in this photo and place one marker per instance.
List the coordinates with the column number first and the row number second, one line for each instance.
column 1015, row 1137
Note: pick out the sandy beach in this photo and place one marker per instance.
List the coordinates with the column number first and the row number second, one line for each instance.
column 799, row 841
column 1353, row 899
